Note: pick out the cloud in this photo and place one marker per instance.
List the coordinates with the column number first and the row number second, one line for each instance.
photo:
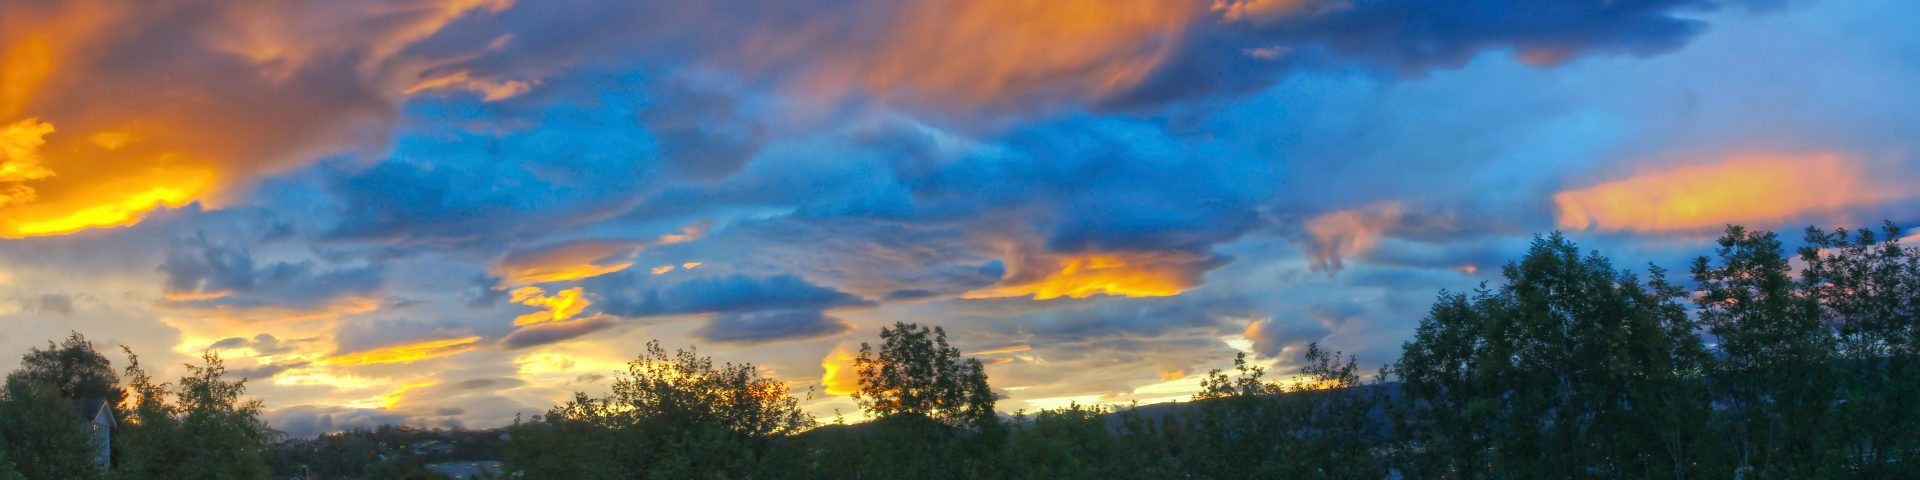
column 200, row 274
column 771, row 326
column 406, row 353
column 555, row 332
column 308, row 421
column 562, row 305
column 579, row 259
column 262, row 344
column 1117, row 274
column 159, row 105
column 1272, row 336
column 1736, row 190
column 564, row 261
column 840, row 376
column 1349, row 232
column 52, row 303
column 629, row 296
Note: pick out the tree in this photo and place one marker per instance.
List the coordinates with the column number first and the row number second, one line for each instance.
column 1570, row 370
column 146, row 440
column 223, row 435
column 44, row 435
column 668, row 416
column 915, row 372
column 1867, row 288
column 1773, row 371
column 73, row 368
column 45, row 439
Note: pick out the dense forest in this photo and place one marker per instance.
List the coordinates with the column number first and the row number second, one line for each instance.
column 1761, row 364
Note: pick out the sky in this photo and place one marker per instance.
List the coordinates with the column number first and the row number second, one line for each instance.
column 444, row 213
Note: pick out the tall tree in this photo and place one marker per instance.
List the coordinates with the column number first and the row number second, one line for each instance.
column 1774, row 370
column 222, row 435
column 915, row 372
column 146, row 440
column 1563, row 372
column 73, row 368
column 1867, row 287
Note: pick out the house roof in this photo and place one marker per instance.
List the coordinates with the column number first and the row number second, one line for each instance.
column 92, row 408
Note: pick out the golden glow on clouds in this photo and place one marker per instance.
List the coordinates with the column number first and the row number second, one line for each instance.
column 661, row 270
column 1350, row 232
column 560, row 306
column 38, row 196
column 840, row 377
column 1737, row 190
column 388, row 400
column 407, row 353
column 227, row 93
column 565, row 261
column 1080, row 276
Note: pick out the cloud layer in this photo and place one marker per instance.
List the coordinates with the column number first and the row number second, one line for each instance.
column 443, row 213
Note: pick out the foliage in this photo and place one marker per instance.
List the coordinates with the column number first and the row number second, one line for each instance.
column 915, row 372
column 44, row 437
column 668, row 416
column 1570, row 370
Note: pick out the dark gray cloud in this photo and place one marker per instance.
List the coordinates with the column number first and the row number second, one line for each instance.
column 202, row 273
column 547, row 333
column 771, row 326
column 51, row 303
column 266, row 371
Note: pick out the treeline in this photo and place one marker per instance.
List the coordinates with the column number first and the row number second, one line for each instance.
column 195, row 428
column 1761, row 367
column 383, row 452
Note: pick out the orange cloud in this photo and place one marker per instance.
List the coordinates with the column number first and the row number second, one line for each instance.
column 992, row 52
column 840, row 377
column 224, row 94
column 406, row 353
column 1126, row 274
column 1749, row 189
column 565, row 261
column 1349, row 232
column 390, row 399
column 49, row 196
column 560, row 306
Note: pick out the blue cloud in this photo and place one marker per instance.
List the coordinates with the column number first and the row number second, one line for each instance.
column 629, row 294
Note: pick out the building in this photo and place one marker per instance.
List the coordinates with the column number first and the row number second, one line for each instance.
column 99, row 417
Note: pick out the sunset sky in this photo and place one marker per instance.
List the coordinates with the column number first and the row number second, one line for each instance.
column 445, row 212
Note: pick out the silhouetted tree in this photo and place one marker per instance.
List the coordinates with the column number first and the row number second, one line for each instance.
column 1774, row 372
column 1867, row 287
column 44, row 437
column 915, row 372
column 1570, row 370
column 668, row 416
